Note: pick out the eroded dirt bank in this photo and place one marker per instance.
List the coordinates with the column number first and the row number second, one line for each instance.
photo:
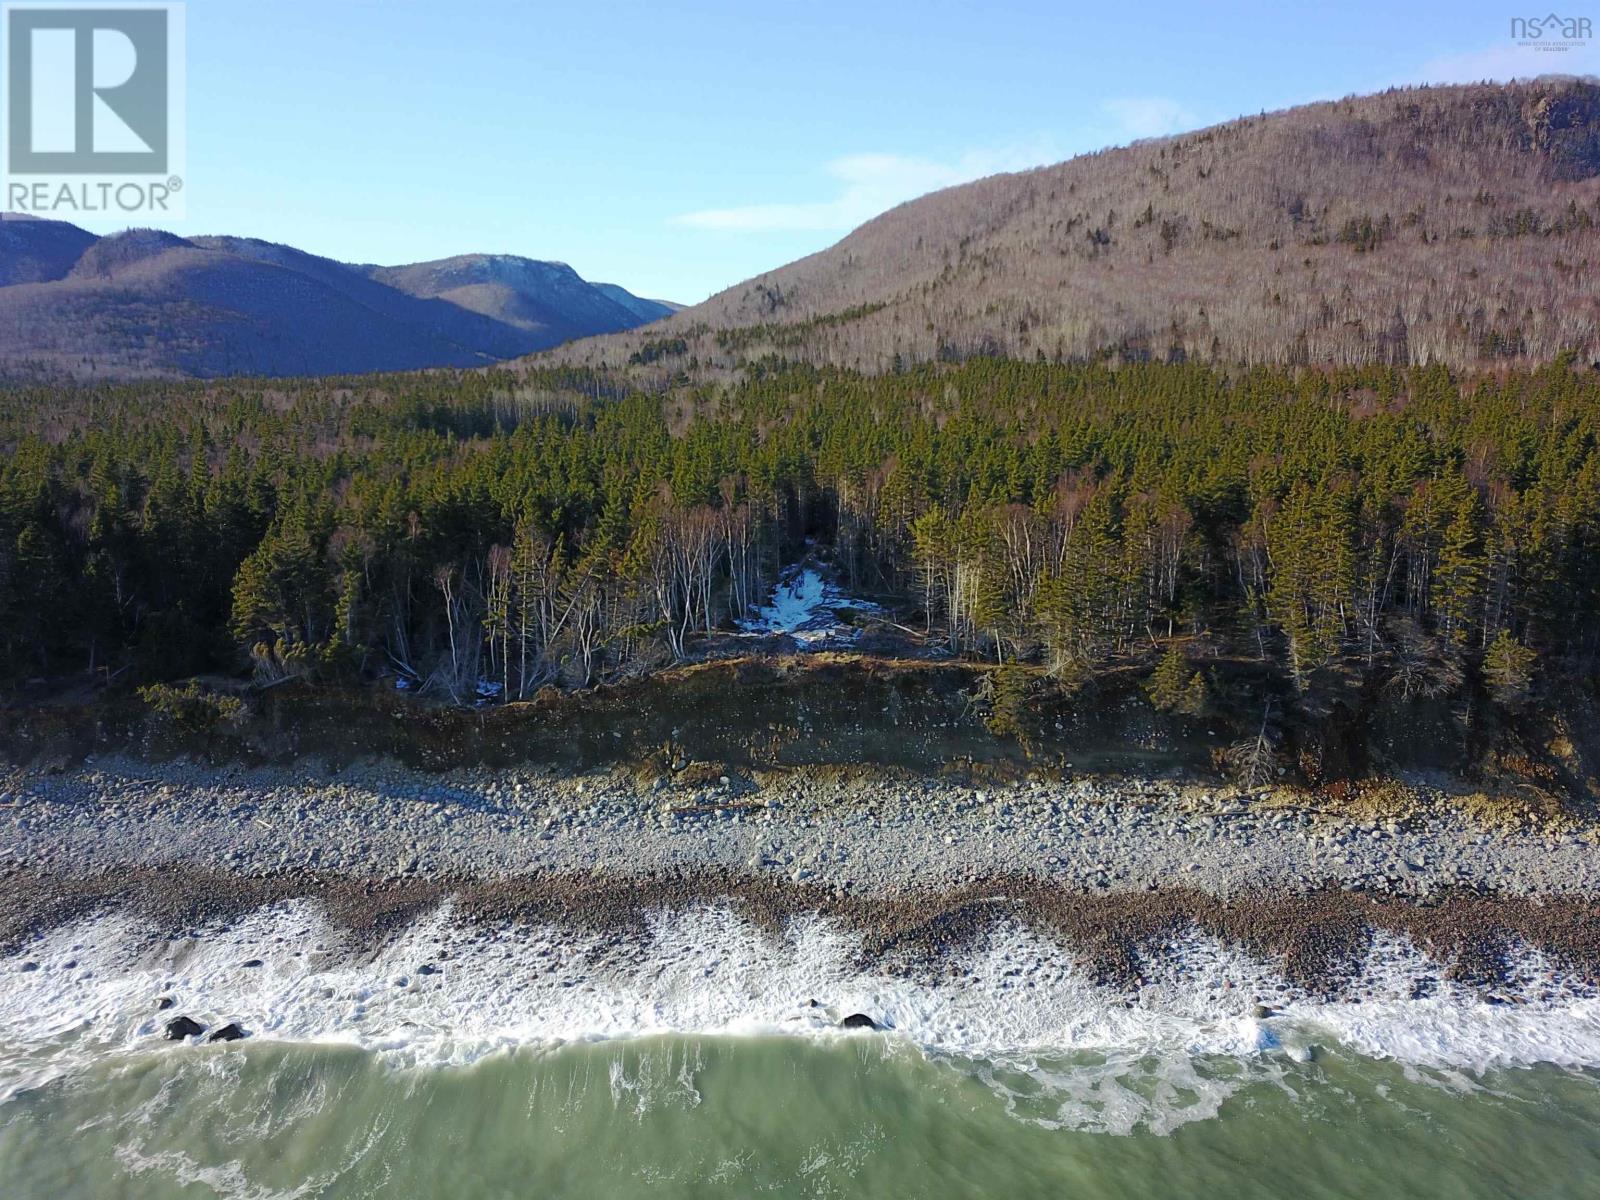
column 763, row 712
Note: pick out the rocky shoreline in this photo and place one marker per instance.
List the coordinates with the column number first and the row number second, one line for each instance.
column 917, row 865
column 854, row 832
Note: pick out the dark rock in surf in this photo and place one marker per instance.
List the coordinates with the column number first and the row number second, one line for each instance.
column 228, row 1033
column 165, row 1003
column 1262, row 1011
column 859, row 1021
column 180, row 1028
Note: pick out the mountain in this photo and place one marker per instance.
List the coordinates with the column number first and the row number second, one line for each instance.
column 35, row 251
column 547, row 299
column 149, row 303
column 645, row 310
column 1449, row 224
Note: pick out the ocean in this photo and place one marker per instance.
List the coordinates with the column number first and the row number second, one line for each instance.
column 705, row 1059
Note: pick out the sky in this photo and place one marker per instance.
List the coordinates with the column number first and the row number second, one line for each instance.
column 679, row 148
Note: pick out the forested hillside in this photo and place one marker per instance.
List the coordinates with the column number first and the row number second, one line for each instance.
column 1364, row 532
column 145, row 303
column 1454, row 225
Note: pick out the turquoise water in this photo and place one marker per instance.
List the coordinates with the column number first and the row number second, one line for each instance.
column 791, row 1117
column 705, row 1060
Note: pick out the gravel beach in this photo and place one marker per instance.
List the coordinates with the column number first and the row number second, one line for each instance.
column 858, row 832
column 917, row 864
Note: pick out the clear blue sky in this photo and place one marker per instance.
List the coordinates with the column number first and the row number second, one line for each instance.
column 677, row 148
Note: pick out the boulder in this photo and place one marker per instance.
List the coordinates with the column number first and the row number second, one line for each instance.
column 1262, row 1011
column 228, row 1033
column 183, row 1027
column 858, row 1021
column 165, row 1003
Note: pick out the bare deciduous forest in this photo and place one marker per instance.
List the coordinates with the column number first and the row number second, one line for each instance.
column 1452, row 225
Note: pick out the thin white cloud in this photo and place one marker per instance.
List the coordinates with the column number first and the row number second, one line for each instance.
column 1507, row 60
column 1147, row 116
column 869, row 184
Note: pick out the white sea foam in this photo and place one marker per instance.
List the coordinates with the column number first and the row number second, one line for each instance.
column 1016, row 1011
column 1537, row 1018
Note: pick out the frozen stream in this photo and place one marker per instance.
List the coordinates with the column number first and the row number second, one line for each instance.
column 805, row 606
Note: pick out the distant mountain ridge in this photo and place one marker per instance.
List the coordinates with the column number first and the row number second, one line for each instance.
column 524, row 293
column 1456, row 225
column 145, row 303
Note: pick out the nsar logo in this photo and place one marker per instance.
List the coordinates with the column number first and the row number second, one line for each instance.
column 1551, row 32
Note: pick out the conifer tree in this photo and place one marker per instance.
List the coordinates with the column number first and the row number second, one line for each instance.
column 1508, row 667
column 1174, row 686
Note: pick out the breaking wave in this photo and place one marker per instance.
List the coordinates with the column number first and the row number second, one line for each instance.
column 1015, row 1011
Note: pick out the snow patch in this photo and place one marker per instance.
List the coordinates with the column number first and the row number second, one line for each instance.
column 806, row 606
